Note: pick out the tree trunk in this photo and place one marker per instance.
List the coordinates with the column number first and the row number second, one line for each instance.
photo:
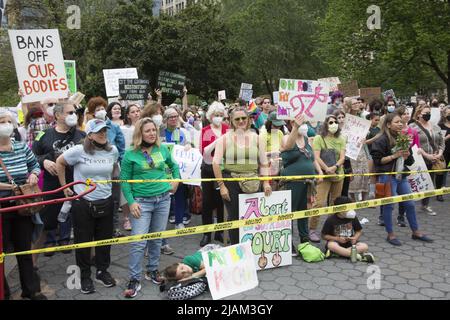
column 448, row 76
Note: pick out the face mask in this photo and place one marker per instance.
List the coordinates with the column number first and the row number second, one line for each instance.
column 426, row 117
column 338, row 103
column 303, row 130
column 333, row 128
column 6, row 129
column 350, row 214
column 100, row 114
column 217, row 121
column 157, row 119
column 391, row 109
column 50, row 111
column 191, row 120
column 71, row 120
column 99, row 145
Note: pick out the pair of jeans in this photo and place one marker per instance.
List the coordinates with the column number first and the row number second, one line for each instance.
column 154, row 215
column 87, row 228
column 399, row 187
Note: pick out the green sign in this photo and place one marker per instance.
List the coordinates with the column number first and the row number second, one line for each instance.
column 71, row 75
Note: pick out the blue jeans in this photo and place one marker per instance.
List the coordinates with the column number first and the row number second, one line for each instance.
column 399, row 187
column 154, row 215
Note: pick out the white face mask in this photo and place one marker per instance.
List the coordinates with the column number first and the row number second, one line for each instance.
column 350, row 214
column 101, row 114
column 50, row 111
column 303, row 130
column 217, row 121
column 72, row 120
column 157, row 119
column 391, row 109
column 6, row 129
column 333, row 128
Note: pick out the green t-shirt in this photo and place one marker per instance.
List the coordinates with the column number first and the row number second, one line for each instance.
column 338, row 144
column 194, row 261
column 262, row 118
column 135, row 167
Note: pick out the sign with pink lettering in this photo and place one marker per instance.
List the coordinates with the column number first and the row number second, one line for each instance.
column 307, row 97
column 271, row 243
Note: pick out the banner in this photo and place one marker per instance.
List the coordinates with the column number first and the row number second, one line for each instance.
column 246, row 92
column 39, row 64
column 370, row 94
column 307, row 97
column 189, row 162
column 171, row 83
column 271, row 243
column 333, row 83
column 349, row 89
column 112, row 77
column 230, row 270
column 222, row 95
column 134, row 89
column 71, row 74
column 419, row 182
column 355, row 130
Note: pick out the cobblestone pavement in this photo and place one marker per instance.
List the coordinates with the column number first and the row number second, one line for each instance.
column 416, row 270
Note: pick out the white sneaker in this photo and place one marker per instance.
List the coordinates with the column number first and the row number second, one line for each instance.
column 429, row 211
column 179, row 226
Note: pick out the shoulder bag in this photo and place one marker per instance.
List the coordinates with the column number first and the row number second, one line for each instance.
column 440, row 164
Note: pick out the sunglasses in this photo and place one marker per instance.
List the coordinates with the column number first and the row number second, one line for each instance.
column 172, row 117
column 240, row 119
column 51, row 104
column 332, row 122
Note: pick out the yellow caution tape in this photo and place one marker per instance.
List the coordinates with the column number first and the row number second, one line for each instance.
column 241, row 223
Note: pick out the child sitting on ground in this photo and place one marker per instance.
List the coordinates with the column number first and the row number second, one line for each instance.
column 341, row 231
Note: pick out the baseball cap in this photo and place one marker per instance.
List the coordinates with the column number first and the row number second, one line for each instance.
column 95, row 125
column 273, row 118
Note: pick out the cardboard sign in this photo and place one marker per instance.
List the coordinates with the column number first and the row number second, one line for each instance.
column 389, row 93
column 134, row 89
column 112, row 77
column 39, row 64
column 333, row 82
column 230, row 270
column 222, row 95
column 435, row 116
column 349, row 89
column 276, row 97
column 307, row 97
column 370, row 94
column 246, row 92
column 71, row 74
column 355, row 130
column 189, row 163
column 419, row 182
column 171, row 83
column 271, row 243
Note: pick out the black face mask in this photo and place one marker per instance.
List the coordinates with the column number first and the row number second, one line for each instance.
column 100, row 145
column 426, row 117
column 145, row 144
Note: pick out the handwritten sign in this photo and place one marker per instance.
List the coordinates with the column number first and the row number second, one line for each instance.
column 333, row 82
column 71, row 74
column 230, row 270
column 355, row 129
column 39, row 64
column 246, row 92
column 134, row 89
column 112, row 77
column 271, row 243
column 276, row 97
column 349, row 89
column 307, row 97
column 171, row 83
column 222, row 95
column 419, row 182
column 189, row 162
column 370, row 94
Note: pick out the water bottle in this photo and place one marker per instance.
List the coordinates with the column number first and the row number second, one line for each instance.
column 353, row 256
column 65, row 210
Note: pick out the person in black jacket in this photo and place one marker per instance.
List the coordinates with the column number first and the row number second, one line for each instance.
column 385, row 161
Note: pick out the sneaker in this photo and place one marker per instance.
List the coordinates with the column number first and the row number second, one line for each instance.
column 127, row 225
column 167, row 250
column 36, row 296
column 172, row 219
column 154, row 277
column 104, row 277
column 133, row 288
column 314, row 237
column 179, row 226
column 294, row 251
column 429, row 211
column 401, row 221
column 186, row 220
column 381, row 221
column 87, row 286
column 366, row 257
column 440, row 198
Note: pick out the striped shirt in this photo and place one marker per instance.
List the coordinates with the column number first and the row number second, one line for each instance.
column 20, row 162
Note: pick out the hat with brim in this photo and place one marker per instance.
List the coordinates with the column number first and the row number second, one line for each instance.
column 95, row 125
column 273, row 118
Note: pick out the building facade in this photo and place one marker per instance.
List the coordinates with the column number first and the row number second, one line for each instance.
column 172, row 7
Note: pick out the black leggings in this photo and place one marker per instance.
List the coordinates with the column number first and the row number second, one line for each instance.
column 211, row 198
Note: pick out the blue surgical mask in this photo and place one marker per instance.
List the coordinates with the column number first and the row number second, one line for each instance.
column 391, row 109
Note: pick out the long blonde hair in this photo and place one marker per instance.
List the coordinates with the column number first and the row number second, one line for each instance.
column 137, row 134
column 419, row 110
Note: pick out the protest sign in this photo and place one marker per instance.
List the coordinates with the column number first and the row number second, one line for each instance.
column 355, row 130
column 276, row 97
column 370, row 94
column 39, row 64
column 333, row 82
column 389, row 93
column 271, row 243
column 307, row 97
column 112, row 77
column 246, row 92
column 171, row 83
column 349, row 89
column 71, row 74
column 413, row 99
column 230, row 270
column 222, row 95
column 435, row 116
column 189, row 163
column 419, row 182
column 134, row 89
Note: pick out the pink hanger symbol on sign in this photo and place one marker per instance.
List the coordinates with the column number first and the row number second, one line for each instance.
column 322, row 97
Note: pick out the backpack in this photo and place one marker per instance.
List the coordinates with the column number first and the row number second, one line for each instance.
column 185, row 290
column 310, row 253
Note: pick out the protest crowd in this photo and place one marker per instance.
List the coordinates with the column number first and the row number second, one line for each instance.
column 61, row 141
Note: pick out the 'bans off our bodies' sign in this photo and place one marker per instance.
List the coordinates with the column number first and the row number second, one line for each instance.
column 39, row 64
